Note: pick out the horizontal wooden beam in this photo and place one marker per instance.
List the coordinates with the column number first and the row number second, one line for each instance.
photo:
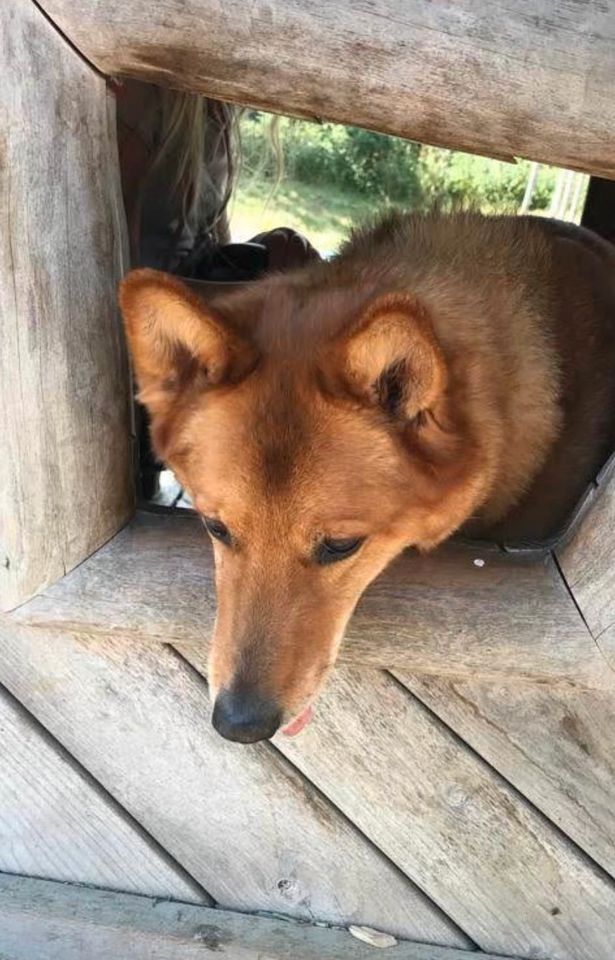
column 495, row 79
column 443, row 613
column 57, row 921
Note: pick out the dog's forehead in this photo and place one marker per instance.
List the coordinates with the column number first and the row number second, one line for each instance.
column 252, row 434
column 278, row 439
column 293, row 444
column 284, row 429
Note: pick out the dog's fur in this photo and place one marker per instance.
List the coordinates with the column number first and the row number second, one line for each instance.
column 441, row 373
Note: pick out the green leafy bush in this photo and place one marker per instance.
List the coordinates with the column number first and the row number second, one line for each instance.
column 386, row 169
column 348, row 157
column 449, row 179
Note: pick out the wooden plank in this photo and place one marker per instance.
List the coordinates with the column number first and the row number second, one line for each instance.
column 588, row 563
column 553, row 745
column 241, row 821
column 437, row 614
column 451, row 73
column 607, row 646
column 449, row 822
column 56, row 823
column 65, row 470
column 53, row 922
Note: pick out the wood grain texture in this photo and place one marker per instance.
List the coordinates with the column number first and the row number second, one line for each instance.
column 554, row 745
column 65, row 469
column 588, row 563
column 56, row 823
column 607, row 645
column 526, row 79
column 436, row 614
column 53, row 922
column 452, row 824
column 243, row 823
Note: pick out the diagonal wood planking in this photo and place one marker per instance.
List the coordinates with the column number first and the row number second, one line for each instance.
column 449, row 822
column 552, row 745
column 56, row 823
column 241, row 820
column 607, row 645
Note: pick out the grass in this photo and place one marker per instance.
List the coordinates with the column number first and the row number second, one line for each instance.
column 322, row 214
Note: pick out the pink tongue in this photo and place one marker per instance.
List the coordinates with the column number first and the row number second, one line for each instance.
column 298, row 723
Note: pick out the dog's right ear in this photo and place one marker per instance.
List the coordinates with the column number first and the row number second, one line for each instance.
column 174, row 338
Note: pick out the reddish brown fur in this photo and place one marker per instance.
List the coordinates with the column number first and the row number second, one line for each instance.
column 442, row 372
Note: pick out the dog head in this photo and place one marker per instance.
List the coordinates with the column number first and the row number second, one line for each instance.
column 313, row 430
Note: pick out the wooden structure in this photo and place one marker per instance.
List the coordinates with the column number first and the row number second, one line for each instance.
column 457, row 787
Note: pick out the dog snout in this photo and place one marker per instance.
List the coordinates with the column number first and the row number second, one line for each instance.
column 245, row 715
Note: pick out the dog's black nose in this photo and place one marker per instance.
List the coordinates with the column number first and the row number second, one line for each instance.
column 245, row 716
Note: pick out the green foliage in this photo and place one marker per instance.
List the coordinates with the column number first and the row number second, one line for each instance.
column 386, row 169
column 352, row 159
column 450, row 179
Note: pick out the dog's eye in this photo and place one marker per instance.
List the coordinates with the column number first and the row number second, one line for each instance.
column 217, row 529
column 330, row 550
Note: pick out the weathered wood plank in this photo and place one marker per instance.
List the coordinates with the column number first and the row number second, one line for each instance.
column 56, row 823
column 607, row 645
column 588, row 563
column 65, row 469
column 553, row 745
column 452, row 73
column 437, row 614
column 241, row 821
column 449, row 822
column 53, row 922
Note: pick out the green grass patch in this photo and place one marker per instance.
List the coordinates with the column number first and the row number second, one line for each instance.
column 324, row 214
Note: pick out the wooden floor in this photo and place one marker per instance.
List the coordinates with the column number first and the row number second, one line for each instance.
column 472, row 812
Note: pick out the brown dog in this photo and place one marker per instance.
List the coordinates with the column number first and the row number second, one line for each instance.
column 440, row 373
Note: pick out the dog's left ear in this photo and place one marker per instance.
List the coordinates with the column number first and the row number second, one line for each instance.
column 390, row 357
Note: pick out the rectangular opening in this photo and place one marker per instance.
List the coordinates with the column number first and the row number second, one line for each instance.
column 259, row 173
